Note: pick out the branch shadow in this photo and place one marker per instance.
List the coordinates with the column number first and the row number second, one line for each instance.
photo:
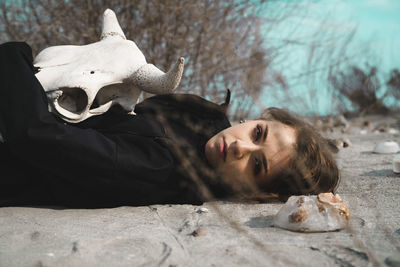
column 381, row 173
column 260, row 222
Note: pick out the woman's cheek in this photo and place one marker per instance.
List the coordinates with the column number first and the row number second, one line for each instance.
column 233, row 172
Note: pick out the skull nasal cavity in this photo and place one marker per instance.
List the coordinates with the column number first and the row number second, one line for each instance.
column 73, row 99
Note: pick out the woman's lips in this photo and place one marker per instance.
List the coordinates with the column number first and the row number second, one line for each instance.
column 222, row 149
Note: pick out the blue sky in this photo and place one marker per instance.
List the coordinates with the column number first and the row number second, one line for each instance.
column 378, row 25
column 376, row 40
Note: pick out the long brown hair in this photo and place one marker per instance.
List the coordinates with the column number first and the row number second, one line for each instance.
column 312, row 168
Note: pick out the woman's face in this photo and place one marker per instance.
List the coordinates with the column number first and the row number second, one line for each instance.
column 252, row 152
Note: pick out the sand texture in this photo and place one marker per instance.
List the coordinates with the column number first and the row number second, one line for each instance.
column 181, row 235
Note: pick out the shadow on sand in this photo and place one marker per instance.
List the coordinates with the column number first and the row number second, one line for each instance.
column 381, row 173
column 260, row 222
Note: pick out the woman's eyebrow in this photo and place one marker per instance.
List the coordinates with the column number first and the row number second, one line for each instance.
column 265, row 133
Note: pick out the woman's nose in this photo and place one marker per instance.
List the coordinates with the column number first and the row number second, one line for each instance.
column 241, row 148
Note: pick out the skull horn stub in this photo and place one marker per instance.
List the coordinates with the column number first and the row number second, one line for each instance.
column 152, row 80
column 111, row 26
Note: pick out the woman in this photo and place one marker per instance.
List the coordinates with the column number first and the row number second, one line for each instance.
column 176, row 149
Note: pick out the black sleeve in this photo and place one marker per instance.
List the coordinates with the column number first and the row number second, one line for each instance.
column 33, row 133
column 84, row 158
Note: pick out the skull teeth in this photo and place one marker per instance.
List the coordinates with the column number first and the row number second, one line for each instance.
column 54, row 94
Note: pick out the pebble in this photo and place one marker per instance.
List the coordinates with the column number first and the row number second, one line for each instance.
column 386, row 147
column 381, row 128
column 201, row 231
column 346, row 142
column 342, row 142
column 202, row 210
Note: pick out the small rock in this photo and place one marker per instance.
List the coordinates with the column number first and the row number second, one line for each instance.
column 381, row 128
column 386, row 147
column 346, row 142
column 342, row 142
column 315, row 213
column 201, row 231
column 338, row 143
column 202, row 210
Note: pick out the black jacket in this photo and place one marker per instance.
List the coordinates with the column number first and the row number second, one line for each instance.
column 109, row 160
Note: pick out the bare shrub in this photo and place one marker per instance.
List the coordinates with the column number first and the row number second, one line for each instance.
column 360, row 86
column 220, row 40
column 393, row 83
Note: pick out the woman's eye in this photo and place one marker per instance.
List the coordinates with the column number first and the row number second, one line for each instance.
column 257, row 166
column 258, row 132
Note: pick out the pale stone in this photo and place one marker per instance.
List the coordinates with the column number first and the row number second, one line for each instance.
column 322, row 213
column 386, row 147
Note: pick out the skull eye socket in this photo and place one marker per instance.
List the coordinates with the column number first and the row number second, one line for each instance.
column 73, row 99
column 109, row 93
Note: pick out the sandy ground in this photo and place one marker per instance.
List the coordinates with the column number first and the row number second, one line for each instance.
column 163, row 235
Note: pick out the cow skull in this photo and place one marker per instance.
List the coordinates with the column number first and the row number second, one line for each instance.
column 84, row 81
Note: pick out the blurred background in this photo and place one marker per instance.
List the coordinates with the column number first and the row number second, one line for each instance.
column 315, row 58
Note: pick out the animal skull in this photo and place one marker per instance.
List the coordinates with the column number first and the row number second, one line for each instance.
column 84, row 81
